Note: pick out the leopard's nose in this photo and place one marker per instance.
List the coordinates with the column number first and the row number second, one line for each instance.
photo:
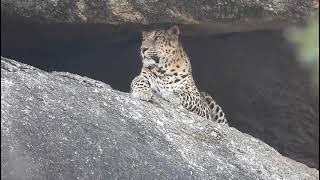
column 143, row 50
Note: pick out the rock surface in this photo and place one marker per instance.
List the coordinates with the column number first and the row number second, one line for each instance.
column 62, row 126
column 240, row 14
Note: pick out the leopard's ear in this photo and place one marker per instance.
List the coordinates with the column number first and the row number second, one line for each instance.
column 174, row 30
column 144, row 33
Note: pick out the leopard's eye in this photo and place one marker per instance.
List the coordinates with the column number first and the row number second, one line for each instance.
column 157, row 38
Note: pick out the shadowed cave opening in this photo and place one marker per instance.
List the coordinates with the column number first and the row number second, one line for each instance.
column 254, row 76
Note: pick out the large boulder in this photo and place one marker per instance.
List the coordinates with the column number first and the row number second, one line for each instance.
column 225, row 14
column 63, row 126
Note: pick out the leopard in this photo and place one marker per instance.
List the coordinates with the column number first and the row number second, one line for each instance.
column 166, row 72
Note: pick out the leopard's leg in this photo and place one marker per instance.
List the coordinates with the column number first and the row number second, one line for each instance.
column 189, row 100
column 216, row 111
column 141, row 88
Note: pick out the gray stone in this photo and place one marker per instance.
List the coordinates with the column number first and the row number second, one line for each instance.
column 63, row 126
column 238, row 14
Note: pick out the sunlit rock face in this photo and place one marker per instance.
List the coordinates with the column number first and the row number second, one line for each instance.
column 64, row 126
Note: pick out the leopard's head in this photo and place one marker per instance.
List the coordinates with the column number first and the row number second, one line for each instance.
column 159, row 45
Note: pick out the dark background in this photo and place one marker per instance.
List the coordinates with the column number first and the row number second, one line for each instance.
column 254, row 76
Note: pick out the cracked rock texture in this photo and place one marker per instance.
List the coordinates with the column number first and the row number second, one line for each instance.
column 63, row 126
column 258, row 13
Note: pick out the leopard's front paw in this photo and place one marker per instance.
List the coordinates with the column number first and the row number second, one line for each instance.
column 140, row 89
